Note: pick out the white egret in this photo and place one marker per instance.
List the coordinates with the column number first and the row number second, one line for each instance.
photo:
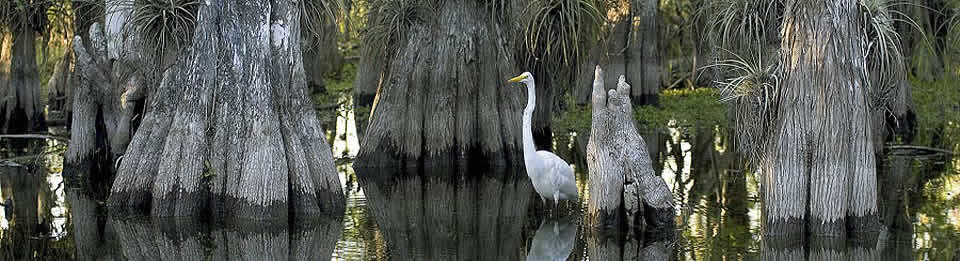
column 551, row 176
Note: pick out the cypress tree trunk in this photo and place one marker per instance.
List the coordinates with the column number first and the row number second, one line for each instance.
column 822, row 158
column 643, row 52
column 447, row 97
column 632, row 50
column 622, row 181
column 230, row 127
column 21, row 110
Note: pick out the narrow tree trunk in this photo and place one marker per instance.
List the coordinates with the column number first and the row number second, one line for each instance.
column 230, row 129
column 447, row 98
column 622, row 181
column 365, row 89
column 643, row 66
column 60, row 85
column 21, row 110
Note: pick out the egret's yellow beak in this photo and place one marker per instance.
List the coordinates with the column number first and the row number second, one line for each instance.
column 518, row 78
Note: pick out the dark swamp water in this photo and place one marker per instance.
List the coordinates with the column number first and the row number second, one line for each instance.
column 475, row 214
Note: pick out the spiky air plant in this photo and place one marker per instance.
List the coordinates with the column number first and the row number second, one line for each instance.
column 745, row 36
column 561, row 28
column 953, row 37
column 86, row 13
column 732, row 21
column 318, row 16
column 164, row 24
column 753, row 90
column 389, row 20
column 884, row 54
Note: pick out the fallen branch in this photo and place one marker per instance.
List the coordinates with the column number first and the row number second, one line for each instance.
column 921, row 148
column 34, row 136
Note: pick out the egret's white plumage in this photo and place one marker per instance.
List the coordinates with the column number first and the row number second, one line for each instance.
column 551, row 176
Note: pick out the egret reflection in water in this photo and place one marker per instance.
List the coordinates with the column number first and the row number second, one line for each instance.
column 554, row 240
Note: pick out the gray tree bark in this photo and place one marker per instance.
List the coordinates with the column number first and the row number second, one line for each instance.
column 622, row 179
column 447, row 97
column 820, row 168
column 230, row 128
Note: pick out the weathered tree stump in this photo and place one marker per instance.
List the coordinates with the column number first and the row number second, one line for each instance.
column 622, row 180
column 107, row 97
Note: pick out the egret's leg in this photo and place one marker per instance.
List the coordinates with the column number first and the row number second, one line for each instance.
column 556, row 198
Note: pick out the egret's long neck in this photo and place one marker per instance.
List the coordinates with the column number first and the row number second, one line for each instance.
column 529, row 150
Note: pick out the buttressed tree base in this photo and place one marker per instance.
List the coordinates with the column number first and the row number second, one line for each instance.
column 230, row 128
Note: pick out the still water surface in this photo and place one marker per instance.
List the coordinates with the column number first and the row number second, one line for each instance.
column 476, row 214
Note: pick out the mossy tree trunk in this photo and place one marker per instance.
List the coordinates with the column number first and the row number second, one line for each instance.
column 622, row 179
column 230, row 128
column 446, row 98
column 820, row 169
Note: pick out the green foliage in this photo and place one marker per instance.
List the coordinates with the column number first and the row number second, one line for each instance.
column 685, row 110
column 338, row 85
column 576, row 118
column 682, row 109
column 938, row 111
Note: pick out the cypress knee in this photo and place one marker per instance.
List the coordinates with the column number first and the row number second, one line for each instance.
column 625, row 191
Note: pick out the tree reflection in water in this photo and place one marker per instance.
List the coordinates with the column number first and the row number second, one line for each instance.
column 448, row 213
column 99, row 236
